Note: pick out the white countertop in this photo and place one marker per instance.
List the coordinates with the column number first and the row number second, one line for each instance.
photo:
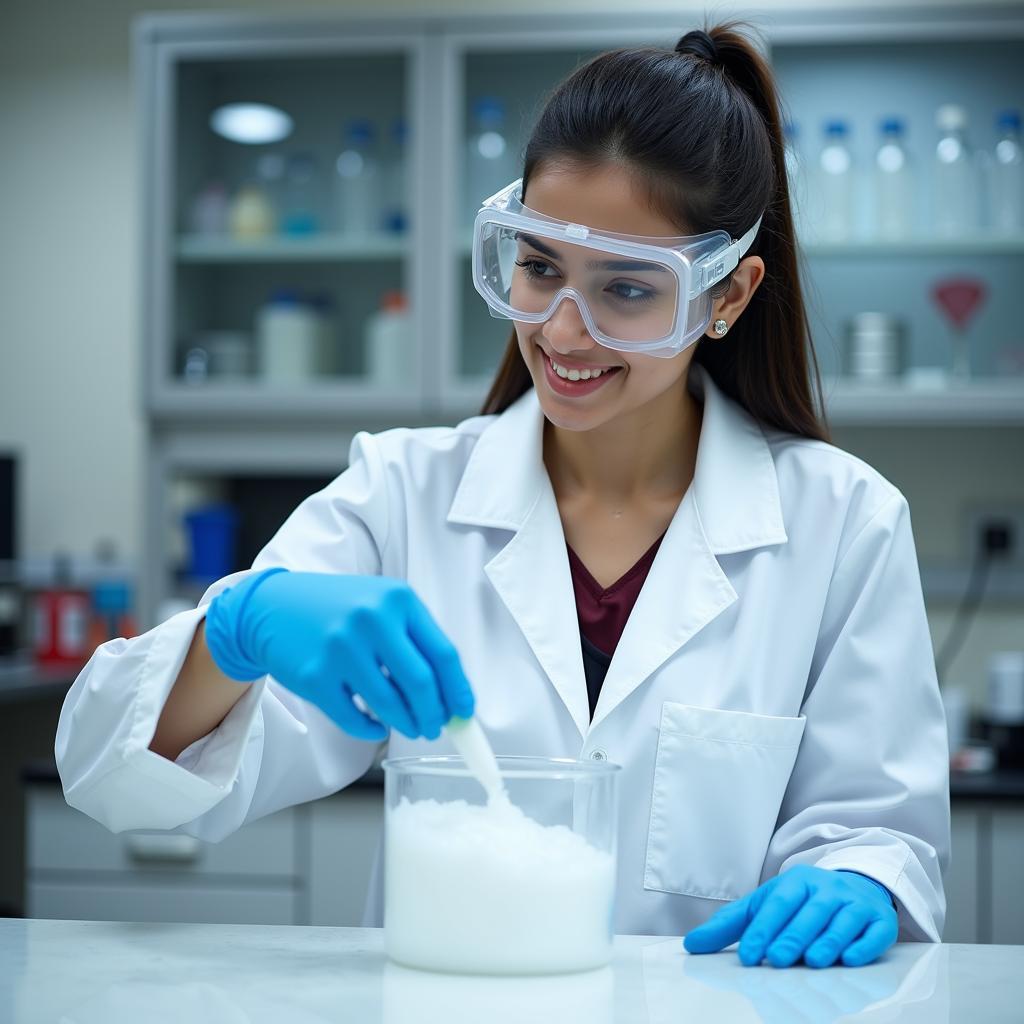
column 86, row 972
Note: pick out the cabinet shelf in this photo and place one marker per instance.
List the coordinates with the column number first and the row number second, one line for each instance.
column 324, row 248
column 993, row 402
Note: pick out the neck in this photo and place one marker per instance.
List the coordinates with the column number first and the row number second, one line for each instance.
column 649, row 453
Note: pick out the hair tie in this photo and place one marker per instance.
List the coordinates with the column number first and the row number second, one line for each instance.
column 699, row 44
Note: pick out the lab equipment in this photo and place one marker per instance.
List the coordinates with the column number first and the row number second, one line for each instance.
column 357, row 181
column 287, row 339
column 490, row 161
column 394, row 184
column 251, row 215
column 893, row 184
column 229, row 353
column 835, row 175
column 959, row 298
column 521, row 885
column 212, row 533
column 1007, row 169
column 326, row 636
column 300, row 213
column 389, row 357
column 956, row 185
column 663, row 305
column 470, row 741
column 816, row 913
column 111, row 599
column 60, row 620
column 875, row 346
column 208, row 214
column 1006, row 687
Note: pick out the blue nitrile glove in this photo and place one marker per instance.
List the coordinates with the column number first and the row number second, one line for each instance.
column 327, row 636
column 816, row 913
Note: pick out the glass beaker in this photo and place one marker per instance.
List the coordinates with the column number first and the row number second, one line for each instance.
column 523, row 886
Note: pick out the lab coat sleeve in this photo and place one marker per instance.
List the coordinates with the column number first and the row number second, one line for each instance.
column 272, row 749
column 870, row 788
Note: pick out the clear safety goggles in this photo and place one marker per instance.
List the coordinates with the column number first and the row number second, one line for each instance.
column 636, row 293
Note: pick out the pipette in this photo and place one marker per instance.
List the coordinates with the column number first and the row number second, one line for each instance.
column 471, row 742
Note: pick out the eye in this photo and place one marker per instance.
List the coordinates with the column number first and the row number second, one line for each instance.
column 530, row 268
column 638, row 294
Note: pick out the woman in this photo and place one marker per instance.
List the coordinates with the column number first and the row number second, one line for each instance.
column 644, row 550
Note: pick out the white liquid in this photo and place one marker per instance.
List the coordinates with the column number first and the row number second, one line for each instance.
column 485, row 889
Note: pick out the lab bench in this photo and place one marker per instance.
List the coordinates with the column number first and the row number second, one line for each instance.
column 311, row 864
column 116, row 973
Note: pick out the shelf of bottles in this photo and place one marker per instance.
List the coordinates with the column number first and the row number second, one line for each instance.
column 292, row 222
column 906, row 175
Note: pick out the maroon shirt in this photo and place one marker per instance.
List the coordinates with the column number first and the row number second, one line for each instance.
column 603, row 613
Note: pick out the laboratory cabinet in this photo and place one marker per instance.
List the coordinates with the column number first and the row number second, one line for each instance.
column 312, row 864
column 299, row 289
column 309, row 864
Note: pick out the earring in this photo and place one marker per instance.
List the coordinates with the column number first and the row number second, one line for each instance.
column 721, row 327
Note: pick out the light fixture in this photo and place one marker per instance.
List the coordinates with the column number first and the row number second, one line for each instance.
column 251, row 123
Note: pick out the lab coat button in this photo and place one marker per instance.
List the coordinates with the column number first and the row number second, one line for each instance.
column 598, row 755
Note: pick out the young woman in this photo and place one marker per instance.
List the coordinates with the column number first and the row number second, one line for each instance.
column 644, row 550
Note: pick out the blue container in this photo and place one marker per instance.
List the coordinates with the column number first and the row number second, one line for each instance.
column 212, row 531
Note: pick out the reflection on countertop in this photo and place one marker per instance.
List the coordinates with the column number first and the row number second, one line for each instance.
column 86, row 972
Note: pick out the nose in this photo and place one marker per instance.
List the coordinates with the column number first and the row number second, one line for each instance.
column 566, row 330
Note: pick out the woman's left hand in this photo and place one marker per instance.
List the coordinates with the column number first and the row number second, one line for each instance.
column 817, row 913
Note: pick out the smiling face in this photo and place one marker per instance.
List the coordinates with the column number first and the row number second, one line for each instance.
column 609, row 200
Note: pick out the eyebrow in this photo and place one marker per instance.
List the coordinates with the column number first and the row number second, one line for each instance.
column 620, row 265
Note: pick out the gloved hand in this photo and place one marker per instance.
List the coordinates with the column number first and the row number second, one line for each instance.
column 816, row 913
column 327, row 637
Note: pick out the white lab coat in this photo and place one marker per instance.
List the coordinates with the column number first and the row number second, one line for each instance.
column 772, row 700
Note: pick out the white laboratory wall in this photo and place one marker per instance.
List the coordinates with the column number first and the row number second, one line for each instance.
column 70, row 399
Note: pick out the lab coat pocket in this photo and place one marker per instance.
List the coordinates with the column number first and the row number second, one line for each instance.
column 719, row 780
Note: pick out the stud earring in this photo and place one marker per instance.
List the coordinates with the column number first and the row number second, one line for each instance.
column 721, row 327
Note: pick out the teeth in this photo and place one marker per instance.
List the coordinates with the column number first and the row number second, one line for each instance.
column 567, row 374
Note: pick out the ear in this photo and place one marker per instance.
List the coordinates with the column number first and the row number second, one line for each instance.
column 744, row 282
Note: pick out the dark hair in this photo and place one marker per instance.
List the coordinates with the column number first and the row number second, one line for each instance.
column 700, row 128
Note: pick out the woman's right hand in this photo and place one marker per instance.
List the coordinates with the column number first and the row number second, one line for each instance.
column 331, row 637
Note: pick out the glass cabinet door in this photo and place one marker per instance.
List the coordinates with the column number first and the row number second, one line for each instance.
column 291, row 225
column 502, row 96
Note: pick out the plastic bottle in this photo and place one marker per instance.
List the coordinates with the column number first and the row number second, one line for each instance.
column 327, row 361
column 1007, row 215
column 490, row 162
column 395, row 199
column 299, row 202
column 287, row 335
column 389, row 357
column 956, row 185
column 111, row 600
column 357, row 181
column 797, row 178
column 209, row 211
column 60, row 621
column 250, row 215
column 893, row 184
column 836, row 184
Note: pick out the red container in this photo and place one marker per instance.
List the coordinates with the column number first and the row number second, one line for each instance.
column 61, row 629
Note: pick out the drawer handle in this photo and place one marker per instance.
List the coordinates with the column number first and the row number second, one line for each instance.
column 179, row 849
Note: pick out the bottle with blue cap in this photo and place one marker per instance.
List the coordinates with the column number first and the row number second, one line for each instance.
column 490, row 161
column 357, row 181
column 836, row 183
column 955, row 210
column 893, row 184
column 1007, row 214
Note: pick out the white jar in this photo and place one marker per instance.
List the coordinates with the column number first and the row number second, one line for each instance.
column 287, row 335
column 390, row 360
column 1006, row 687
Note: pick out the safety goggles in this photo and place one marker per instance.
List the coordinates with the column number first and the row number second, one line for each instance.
column 636, row 293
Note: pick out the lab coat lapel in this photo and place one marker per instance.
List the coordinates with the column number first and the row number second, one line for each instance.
column 505, row 485
column 731, row 505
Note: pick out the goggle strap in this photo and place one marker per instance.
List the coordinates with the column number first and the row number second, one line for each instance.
column 712, row 269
